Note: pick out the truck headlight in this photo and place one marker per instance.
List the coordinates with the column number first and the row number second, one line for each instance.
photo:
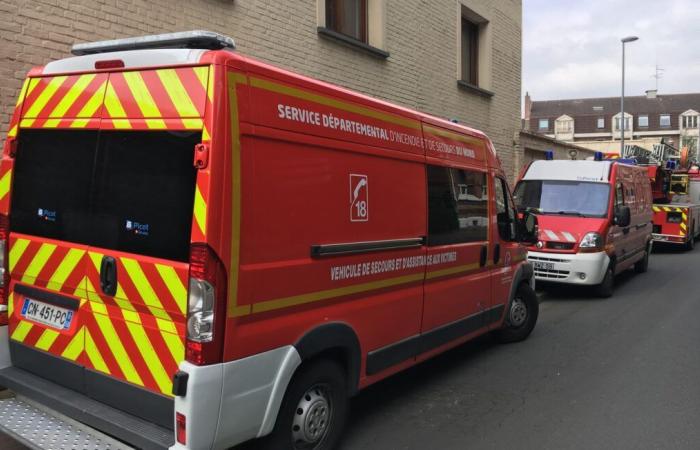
column 591, row 241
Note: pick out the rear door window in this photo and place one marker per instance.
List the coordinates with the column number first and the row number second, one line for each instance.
column 131, row 191
column 144, row 192
column 51, row 186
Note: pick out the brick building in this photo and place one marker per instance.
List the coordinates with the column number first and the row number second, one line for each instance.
column 457, row 59
column 595, row 122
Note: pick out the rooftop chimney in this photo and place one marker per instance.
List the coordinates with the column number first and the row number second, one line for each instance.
column 651, row 93
column 528, row 106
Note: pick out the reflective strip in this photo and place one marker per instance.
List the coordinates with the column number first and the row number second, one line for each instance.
column 200, row 211
column 175, row 345
column 21, row 330
column 5, row 184
column 72, row 95
column 76, row 346
column 568, row 236
column 48, row 337
column 667, row 209
column 656, row 208
column 115, row 108
column 144, row 99
column 12, row 132
column 144, row 288
column 17, row 251
column 115, row 346
column 45, row 96
column 684, row 227
column 38, row 263
column 150, row 356
column 92, row 105
column 64, row 269
column 175, row 286
column 94, row 355
column 551, row 235
column 177, row 93
column 685, row 216
column 22, row 92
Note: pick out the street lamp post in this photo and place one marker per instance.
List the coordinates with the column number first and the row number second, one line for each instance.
column 622, row 97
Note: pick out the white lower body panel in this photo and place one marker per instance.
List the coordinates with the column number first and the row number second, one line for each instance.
column 570, row 268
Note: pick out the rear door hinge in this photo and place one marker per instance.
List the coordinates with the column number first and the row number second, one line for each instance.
column 201, row 156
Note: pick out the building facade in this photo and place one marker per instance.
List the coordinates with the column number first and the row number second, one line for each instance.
column 535, row 146
column 595, row 122
column 456, row 59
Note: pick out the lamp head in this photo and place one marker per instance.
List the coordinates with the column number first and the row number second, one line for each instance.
column 629, row 39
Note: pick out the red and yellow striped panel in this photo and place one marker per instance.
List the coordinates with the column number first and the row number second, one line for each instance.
column 56, row 267
column 64, row 101
column 199, row 216
column 137, row 335
column 6, row 165
column 143, row 99
column 14, row 120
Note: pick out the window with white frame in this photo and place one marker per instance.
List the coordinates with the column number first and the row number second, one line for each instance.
column 627, row 123
column 601, row 123
column 690, row 121
column 544, row 124
column 665, row 120
column 643, row 121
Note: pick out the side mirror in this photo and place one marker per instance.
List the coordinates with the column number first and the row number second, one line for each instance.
column 528, row 231
column 623, row 216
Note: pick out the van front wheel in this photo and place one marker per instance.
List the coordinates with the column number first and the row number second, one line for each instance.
column 312, row 414
column 607, row 286
column 521, row 316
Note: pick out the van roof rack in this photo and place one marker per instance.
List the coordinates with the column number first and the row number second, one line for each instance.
column 200, row 39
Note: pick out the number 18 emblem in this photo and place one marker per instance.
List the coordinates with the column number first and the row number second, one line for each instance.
column 359, row 198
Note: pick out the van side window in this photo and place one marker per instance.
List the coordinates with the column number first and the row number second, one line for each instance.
column 505, row 213
column 457, row 206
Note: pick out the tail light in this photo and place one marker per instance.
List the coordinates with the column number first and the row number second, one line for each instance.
column 4, row 272
column 181, row 423
column 206, row 303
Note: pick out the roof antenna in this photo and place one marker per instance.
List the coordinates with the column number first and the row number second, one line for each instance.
column 658, row 75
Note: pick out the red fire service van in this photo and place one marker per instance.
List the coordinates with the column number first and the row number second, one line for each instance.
column 200, row 249
column 594, row 220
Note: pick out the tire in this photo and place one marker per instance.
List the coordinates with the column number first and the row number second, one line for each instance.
column 316, row 392
column 642, row 265
column 606, row 288
column 521, row 316
column 690, row 245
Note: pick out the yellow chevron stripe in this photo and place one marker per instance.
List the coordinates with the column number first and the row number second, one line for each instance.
column 679, row 210
column 193, row 124
column 200, row 211
column 205, row 134
column 115, row 108
column 667, row 209
column 685, row 216
column 177, row 93
column 64, row 269
column 656, row 208
column 21, row 330
column 76, row 345
column 22, row 92
column 150, row 356
column 17, row 251
column 92, row 105
column 202, row 73
column 144, row 100
column 12, row 132
column 10, row 304
column 94, row 355
column 45, row 96
column 175, row 286
column 73, row 93
column 114, row 342
column 175, row 345
column 684, row 227
column 48, row 337
column 38, row 263
column 5, row 184
column 33, row 83
column 144, row 288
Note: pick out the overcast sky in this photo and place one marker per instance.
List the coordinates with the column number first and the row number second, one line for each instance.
column 571, row 48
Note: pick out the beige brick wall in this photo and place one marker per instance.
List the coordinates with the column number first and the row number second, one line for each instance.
column 421, row 36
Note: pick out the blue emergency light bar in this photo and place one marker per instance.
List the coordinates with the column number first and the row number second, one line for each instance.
column 671, row 165
column 598, row 156
column 549, row 155
column 627, row 161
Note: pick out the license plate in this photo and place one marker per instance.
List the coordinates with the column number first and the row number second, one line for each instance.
column 543, row 265
column 49, row 315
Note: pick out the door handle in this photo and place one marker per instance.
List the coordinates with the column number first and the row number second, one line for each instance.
column 496, row 253
column 482, row 256
column 108, row 275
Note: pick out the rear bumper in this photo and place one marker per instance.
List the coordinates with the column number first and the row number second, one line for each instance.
column 670, row 238
column 570, row 268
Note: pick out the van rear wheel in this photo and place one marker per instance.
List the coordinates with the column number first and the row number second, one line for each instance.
column 312, row 414
column 521, row 316
column 642, row 265
column 690, row 245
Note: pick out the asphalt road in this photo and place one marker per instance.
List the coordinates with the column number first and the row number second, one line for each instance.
column 620, row 373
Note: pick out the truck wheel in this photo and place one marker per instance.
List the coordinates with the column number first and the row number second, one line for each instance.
column 690, row 245
column 607, row 286
column 642, row 265
column 312, row 414
column 521, row 316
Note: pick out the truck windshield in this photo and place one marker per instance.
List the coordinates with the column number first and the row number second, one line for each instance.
column 577, row 198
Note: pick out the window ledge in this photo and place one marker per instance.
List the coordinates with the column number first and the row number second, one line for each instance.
column 475, row 89
column 352, row 42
